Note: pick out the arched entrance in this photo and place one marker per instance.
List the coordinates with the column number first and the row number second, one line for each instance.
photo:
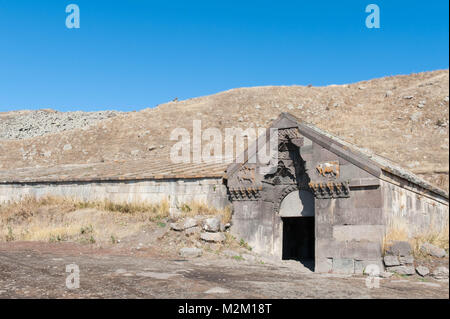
column 297, row 215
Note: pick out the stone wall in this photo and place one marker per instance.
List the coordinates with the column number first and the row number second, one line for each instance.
column 410, row 208
column 209, row 190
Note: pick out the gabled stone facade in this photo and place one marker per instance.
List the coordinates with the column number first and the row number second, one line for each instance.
column 324, row 183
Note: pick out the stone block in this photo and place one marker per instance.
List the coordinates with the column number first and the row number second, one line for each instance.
column 403, row 270
column 212, row 237
column 422, row 271
column 399, row 248
column 406, row 260
column 343, row 266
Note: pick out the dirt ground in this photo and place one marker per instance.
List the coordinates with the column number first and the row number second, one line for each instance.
column 38, row 270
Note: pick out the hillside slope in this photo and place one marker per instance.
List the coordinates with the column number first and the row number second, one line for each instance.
column 403, row 118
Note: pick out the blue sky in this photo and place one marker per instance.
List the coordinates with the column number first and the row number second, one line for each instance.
column 129, row 55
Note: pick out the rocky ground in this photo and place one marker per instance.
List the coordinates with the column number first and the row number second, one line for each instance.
column 27, row 124
column 403, row 118
column 38, row 270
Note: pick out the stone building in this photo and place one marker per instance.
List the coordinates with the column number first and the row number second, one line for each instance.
column 327, row 202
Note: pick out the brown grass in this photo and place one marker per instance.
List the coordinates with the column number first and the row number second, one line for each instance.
column 398, row 231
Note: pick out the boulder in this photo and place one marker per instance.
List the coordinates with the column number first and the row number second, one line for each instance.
column 212, row 237
column 189, row 223
column 403, row 270
column 192, row 231
column 391, row 261
column 399, row 248
column 432, row 250
column 188, row 252
column 422, row 270
column 212, row 224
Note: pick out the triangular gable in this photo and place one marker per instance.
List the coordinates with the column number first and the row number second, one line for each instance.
column 349, row 152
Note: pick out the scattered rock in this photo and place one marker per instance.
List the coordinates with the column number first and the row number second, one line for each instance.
column 67, row 147
column 422, row 270
column 189, row 223
column 406, row 260
column 41, row 122
column 176, row 227
column 386, row 274
column 212, row 224
column 432, row 250
column 403, row 270
column 408, row 97
column 388, row 93
column 188, row 252
column 193, row 230
column 399, row 248
column 440, row 273
column 212, row 237
column 217, row 290
column 391, row 261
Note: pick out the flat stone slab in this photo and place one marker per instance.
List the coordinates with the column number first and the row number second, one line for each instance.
column 432, row 250
column 212, row 237
column 190, row 252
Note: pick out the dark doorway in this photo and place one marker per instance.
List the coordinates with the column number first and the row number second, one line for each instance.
column 299, row 239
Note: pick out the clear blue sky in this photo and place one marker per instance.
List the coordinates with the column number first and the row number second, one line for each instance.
column 129, row 55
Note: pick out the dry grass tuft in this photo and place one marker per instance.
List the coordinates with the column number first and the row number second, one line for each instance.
column 398, row 231
column 197, row 208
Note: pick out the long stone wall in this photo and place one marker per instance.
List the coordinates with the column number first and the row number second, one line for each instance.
column 209, row 190
column 412, row 210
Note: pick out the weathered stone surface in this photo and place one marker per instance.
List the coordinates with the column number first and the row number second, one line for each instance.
column 440, row 273
column 188, row 252
column 406, row 260
column 432, row 250
column 212, row 224
column 212, row 237
column 372, row 233
column 343, row 266
column 403, row 270
column 399, row 248
column 422, row 270
column 190, row 222
column 391, row 261
column 176, row 227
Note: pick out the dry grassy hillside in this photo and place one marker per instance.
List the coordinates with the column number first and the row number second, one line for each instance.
column 403, row 118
